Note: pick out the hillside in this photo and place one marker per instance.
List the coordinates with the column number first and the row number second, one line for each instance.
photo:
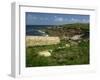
column 72, row 49
column 68, row 30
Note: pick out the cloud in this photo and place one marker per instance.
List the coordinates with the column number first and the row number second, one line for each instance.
column 46, row 18
column 85, row 20
column 55, row 16
column 31, row 17
column 34, row 17
column 59, row 19
column 74, row 20
column 41, row 18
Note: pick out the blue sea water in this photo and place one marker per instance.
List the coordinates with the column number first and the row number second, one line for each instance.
column 35, row 30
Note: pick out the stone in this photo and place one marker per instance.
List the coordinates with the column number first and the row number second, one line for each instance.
column 45, row 53
column 76, row 37
column 67, row 45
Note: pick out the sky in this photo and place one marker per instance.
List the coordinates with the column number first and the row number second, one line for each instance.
column 54, row 19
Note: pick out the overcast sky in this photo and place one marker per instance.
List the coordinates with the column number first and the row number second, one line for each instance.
column 54, row 19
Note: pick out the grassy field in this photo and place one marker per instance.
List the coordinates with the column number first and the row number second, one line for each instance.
column 67, row 52
column 73, row 55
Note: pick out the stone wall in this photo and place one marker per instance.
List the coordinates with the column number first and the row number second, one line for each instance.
column 40, row 40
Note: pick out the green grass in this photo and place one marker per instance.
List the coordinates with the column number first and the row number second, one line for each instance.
column 76, row 54
column 73, row 55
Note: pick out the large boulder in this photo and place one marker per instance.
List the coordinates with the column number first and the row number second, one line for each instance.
column 44, row 53
column 76, row 37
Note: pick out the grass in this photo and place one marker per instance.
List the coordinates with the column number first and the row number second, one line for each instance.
column 73, row 55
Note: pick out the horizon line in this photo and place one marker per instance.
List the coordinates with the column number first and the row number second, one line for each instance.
column 61, row 24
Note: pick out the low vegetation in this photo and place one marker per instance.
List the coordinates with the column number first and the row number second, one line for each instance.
column 66, row 52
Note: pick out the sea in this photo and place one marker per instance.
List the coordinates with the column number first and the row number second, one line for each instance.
column 36, row 30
